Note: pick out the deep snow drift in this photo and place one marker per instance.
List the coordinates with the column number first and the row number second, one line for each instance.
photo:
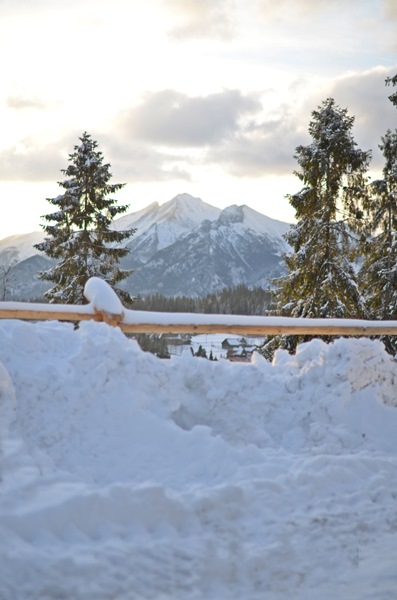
column 127, row 477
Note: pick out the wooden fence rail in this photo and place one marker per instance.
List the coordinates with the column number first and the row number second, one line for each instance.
column 105, row 306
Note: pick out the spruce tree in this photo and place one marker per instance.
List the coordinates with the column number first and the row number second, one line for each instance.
column 321, row 280
column 79, row 237
column 392, row 81
column 379, row 271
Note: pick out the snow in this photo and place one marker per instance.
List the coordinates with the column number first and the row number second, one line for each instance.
column 126, row 476
column 213, row 343
column 20, row 246
column 258, row 222
column 168, row 222
column 134, row 317
column 102, row 297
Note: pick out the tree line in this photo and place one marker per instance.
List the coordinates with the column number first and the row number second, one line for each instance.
column 238, row 300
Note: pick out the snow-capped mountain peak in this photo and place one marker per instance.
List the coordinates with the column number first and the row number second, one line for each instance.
column 263, row 224
column 232, row 214
column 181, row 213
column 159, row 226
column 188, row 210
column 137, row 218
column 181, row 247
column 239, row 246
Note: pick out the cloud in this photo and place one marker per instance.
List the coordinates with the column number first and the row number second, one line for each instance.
column 24, row 7
column 169, row 134
column 390, row 8
column 202, row 18
column 365, row 96
column 220, row 18
column 20, row 102
column 132, row 161
column 285, row 8
column 171, row 118
column 30, row 160
column 225, row 128
column 265, row 148
column 268, row 147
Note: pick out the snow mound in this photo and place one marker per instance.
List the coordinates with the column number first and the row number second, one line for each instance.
column 131, row 477
column 103, row 297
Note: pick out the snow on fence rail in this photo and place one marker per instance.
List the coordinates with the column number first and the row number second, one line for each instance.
column 104, row 305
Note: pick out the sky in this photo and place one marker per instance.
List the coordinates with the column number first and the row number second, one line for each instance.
column 207, row 97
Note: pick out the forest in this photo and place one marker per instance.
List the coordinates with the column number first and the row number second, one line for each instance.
column 238, row 300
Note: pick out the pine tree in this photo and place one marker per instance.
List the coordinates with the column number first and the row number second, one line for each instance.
column 201, row 352
column 392, row 81
column 156, row 344
column 321, row 281
column 78, row 232
column 379, row 271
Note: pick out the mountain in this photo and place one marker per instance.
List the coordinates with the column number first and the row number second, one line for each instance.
column 161, row 226
column 240, row 246
column 182, row 247
column 19, row 264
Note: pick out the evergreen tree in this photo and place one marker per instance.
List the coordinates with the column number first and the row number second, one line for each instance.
column 392, row 81
column 201, row 352
column 321, row 281
column 235, row 300
column 156, row 344
column 379, row 271
column 78, row 232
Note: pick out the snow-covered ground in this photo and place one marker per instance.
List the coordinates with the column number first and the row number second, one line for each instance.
column 127, row 477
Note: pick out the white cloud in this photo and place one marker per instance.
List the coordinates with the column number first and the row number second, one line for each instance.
column 134, row 161
column 21, row 102
column 30, row 161
column 130, row 160
column 390, row 7
column 171, row 118
column 264, row 149
column 365, row 95
column 267, row 147
column 169, row 135
column 202, row 18
column 284, row 9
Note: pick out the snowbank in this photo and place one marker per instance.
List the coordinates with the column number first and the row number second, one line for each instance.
column 125, row 476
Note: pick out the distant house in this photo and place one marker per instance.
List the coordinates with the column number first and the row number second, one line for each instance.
column 230, row 343
column 238, row 350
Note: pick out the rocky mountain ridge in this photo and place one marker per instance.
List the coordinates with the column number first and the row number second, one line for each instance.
column 182, row 247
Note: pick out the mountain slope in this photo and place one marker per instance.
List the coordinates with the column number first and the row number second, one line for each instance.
column 238, row 247
column 18, row 247
column 183, row 247
column 160, row 226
